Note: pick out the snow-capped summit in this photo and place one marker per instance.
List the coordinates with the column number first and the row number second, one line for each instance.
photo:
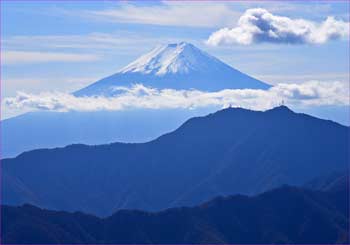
column 175, row 66
column 172, row 58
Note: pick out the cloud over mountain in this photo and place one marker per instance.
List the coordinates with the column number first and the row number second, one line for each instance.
column 258, row 25
column 311, row 93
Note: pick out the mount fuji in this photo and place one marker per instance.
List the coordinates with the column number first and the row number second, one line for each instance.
column 175, row 66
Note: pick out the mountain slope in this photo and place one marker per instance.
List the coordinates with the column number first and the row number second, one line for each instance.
column 231, row 151
column 285, row 215
column 176, row 66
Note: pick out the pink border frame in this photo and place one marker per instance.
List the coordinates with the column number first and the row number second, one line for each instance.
column 57, row 1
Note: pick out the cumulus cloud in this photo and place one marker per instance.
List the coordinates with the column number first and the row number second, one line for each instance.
column 26, row 57
column 313, row 93
column 258, row 25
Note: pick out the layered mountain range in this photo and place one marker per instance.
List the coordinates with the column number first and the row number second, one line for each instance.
column 231, row 151
column 272, row 176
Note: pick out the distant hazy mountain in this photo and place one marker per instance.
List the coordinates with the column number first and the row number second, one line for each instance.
column 287, row 215
column 176, row 66
column 231, row 151
column 57, row 129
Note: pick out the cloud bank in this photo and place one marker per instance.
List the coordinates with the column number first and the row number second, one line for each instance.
column 313, row 93
column 258, row 25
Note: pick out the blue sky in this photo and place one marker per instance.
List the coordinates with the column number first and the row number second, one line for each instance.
column 55, row 46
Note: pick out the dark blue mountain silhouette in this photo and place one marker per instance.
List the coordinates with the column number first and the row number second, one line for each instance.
column 287, row 215
column 231, row 151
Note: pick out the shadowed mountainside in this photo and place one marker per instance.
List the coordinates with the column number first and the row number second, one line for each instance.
column 284, row 215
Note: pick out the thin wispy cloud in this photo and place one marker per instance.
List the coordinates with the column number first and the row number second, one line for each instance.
column 260, row 26
column 29, row 57
column 312, row 93
column 122, row 42
column 167, row 14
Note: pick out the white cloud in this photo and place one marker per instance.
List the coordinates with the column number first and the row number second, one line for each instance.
column 258, row 25
column 28, row 57
column 167, row 14
column 313, row 93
